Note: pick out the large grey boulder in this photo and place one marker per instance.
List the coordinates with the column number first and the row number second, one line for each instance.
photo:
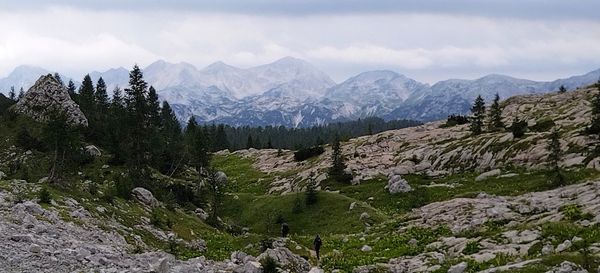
column 46, row 96
column 397, row 184
column 567, row 267
column 144, row 196
column 286, row 259
column 488, row 174
column 221, row 178
column 458, row 268
column 93, row 151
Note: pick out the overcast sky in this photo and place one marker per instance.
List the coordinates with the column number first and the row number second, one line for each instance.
column 536, row 39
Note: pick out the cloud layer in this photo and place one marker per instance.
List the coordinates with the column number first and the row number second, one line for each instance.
column 426, row 42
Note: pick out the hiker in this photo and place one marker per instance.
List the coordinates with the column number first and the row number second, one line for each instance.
column 285, row 230
column 317, row 244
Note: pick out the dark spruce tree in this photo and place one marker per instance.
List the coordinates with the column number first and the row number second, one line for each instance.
column 21, row 94
column 478, row 117
column 250, row 142
column 58, row 79
column 172, row 142
column 337, row 171
column 116, row 126
column 63, row 139
column 137, row 127
column 71, row 88
column 562, row 89
column 594, row 127
column 86, row 99
column 220, row 139
column 495, row 119
column 99, row 124
column 12, row 95
column 554, row 157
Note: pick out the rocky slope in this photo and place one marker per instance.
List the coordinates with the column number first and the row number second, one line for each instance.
column 433, row 150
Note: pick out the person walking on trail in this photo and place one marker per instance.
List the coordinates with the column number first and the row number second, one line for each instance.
column 285, row 230
column 317, row 245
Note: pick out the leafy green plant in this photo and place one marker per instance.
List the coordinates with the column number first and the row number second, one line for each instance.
column 44, row 196
column 269, row 265
column 574, row 213
column 472, row 247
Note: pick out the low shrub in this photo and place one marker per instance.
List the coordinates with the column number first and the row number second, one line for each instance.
column 306, row 153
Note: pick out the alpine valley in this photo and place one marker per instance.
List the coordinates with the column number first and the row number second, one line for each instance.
column 293, row 93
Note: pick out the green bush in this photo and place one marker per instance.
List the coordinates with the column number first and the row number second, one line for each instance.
column 543, row 125
column 518, row 128
column 472, row 247
column 306, row 153
column 573, row 212
column 123, row 187
column 298, row 206
column 269, row 265
column 44, row 196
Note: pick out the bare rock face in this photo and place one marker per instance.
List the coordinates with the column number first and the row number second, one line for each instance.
column 48, row 95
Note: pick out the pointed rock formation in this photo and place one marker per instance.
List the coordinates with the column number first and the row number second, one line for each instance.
column 48, row 95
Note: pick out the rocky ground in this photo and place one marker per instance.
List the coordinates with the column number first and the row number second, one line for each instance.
column 37, row 239
column 435, row 151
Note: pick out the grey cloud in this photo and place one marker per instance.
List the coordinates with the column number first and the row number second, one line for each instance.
column 534, row 9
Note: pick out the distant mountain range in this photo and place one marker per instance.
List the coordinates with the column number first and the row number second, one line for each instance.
column 293, row 93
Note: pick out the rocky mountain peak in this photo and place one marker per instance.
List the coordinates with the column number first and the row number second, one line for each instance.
column 48, row 95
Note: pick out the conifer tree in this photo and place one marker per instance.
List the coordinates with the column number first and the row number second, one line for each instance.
column 21, row 94
column 63, row 140
column 554, row 158
column 12, row 94
column 137, row 125
column 86, row 97
column 312, row 196
column 153, row 108
column 172, row 146
column 478, row 111
column 594, row 127
column 249, row 142
column 562, row 89
column 116, row 122
column 71, row 89
column 220, row 140
column 495, row 119
column 338, row 167
column 58, row 79
column 99, row 121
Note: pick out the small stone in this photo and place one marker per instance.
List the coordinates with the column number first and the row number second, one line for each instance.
column 458, row 268
column 366, row 248
column 364, row 216
column 352, row 205
column 34, row 248
column 547, row 249
column 413, row 241
column 564, row 246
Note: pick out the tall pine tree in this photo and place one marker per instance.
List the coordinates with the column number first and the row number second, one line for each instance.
column 86, row 97
column 71, row 89
column 594, row 127
column 495, row 119
column 136, row 106
column 12, row 94
column 338, row 166
column 554, row 158
column 172, row 142
column 478, row 117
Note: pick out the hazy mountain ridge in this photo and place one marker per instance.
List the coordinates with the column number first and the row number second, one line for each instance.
column 292, row 92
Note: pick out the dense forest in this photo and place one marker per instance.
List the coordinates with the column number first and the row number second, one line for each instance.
column 295, row 138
